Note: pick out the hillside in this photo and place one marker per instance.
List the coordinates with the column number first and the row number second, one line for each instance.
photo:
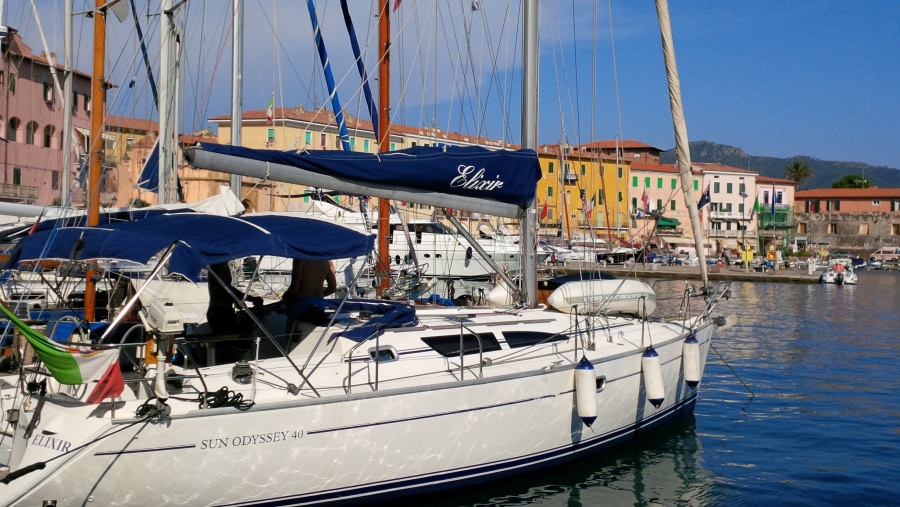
column 825, row 172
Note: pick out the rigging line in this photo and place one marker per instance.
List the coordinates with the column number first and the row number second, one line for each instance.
column 747, row 387
column 612, row 45
column 577, row 109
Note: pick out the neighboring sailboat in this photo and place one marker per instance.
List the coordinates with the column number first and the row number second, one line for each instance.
column 349, row 400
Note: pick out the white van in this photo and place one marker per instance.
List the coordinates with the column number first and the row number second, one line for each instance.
column 886, row 254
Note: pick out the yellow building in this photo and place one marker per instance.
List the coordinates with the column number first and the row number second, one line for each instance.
column 584, row 193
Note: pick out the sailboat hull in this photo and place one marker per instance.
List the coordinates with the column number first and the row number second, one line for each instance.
column 405, row 439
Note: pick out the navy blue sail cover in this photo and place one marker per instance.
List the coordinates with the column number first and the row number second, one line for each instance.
column 499, row 175
column 201, row 239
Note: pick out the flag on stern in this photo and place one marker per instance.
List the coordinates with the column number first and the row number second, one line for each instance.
column 74, row 366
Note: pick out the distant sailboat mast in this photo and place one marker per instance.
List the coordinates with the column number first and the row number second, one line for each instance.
column 384, row 137
column 98, row 106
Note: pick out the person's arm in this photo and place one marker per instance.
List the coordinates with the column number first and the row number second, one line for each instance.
column 330, row 280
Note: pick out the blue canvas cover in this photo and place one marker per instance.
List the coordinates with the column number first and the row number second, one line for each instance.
column 201, row 239
column 498, row 175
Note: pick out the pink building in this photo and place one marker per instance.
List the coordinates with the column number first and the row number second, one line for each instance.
column 31, row 119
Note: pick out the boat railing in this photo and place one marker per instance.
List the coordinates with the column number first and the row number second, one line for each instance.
column 377, row 357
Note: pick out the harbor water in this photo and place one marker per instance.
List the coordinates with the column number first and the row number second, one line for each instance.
column 800, row 405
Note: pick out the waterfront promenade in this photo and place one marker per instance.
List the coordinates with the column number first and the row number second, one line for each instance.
column 716, row 273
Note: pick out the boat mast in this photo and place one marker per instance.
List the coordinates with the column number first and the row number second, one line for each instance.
column 682, row 148
column 67, row 106
column 529, row 141
column 237, row 90
column 98, row 99
column 384, row 137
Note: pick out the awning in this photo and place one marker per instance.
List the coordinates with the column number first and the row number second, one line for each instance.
column 668, row 222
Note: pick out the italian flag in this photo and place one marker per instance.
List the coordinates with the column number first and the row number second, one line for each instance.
column 74, row 366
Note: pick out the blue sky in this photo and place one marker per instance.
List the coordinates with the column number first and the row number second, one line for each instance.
column 806, row 77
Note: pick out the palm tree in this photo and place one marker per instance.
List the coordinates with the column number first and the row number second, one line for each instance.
column 798, row 171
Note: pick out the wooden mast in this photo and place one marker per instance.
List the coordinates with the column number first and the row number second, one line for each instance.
column 384, row 139
column 98, row 98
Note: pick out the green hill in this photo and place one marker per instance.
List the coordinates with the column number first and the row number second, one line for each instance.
column 825, row 172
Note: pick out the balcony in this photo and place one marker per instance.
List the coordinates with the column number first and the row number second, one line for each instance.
column 18, row 193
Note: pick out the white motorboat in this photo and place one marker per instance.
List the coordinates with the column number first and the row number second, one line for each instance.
column 839, row 274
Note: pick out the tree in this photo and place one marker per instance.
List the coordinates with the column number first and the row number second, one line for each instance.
column 852, row 181
column 139, row 203
column 799, row 172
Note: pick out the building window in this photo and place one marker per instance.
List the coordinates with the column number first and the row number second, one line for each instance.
column 659, row 182
column 833, row 205
column 30, row 130
column 634, row 204
column 832, row 228
column 696, row 185
column 74, row 101
column 549, row 167
column 876, row 202
column 895, row 229
column 366, row 145
column 674, row 184
column 621, row 173
column 12, row 128
column 672, row 205
column 12, row 82
column 647, row 182
column 659, row 205
column 863, row 229
column 583, row 170
column 48, row 93
column 802, row 228
column 48, row 136
column 741, row 208
column 716, row 187
column 742, row 188
column 323, row 141
column 17, row 175
column 729, row 188
column 634, row 181
column 54, row 180
column 352, row 144
column 895, row 205
column 619, row 196
column 549, row 191
column 87, row 102
column 393, row 147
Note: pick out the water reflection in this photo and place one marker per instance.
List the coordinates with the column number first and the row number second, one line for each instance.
column 660, row 469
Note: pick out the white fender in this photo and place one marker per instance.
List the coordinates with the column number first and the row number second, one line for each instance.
column 651, row 366
column 586, row 391
column 500, row 295
column 690, row 356
column 610, row 296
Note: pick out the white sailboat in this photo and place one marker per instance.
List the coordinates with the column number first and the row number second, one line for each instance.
column 370, row 400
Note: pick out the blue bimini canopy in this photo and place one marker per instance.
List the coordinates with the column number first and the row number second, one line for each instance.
column 199, row 239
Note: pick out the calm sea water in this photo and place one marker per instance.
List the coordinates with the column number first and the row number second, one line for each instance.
column 817, row 423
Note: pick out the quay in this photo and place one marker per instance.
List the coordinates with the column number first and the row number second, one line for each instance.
column 716, row 273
